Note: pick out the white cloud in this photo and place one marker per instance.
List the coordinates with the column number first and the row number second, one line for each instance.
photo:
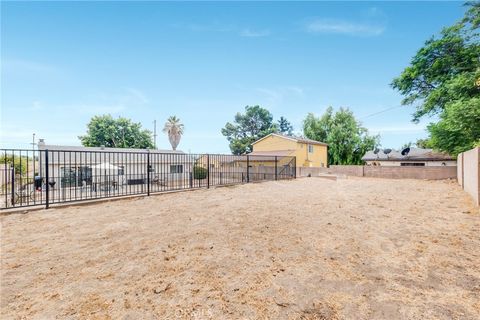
column 135, row 94
column 224, row 28
column 204, row 27
column 254, row 33
column 332, row 26
column 27, row 66
column 96, row 109
column 297, row 90
column 272, row 95
column 278, row 95
column 36, row 105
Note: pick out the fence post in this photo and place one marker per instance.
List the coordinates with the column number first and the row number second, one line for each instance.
column 47, row 198
column 295, row 167
column 13, row 182
column 208, row 171
column 276, row 174
column 248, row 169
column 191, row 179
column 148, row 172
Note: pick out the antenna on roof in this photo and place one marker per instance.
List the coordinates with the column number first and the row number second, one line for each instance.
column 405, row 151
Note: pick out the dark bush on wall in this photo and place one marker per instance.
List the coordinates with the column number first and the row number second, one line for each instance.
column 199, row 172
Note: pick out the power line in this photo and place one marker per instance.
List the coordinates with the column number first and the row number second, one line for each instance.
column 378, row 112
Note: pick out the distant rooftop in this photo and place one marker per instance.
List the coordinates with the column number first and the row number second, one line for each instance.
column 415, row 154
column 43, row 146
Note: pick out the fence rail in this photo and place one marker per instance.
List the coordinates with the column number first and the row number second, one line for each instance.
column 46, row 177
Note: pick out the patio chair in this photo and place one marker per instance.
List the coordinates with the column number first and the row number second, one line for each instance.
column 160, row 181
column 25, row 193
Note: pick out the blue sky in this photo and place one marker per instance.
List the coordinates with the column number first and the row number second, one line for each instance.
column 62, row 63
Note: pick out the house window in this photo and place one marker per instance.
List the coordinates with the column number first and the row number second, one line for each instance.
column 121, row 170
column 412, row 164
column 84, row 174
column 68, row 176
column 310, row 148
column 176, row 168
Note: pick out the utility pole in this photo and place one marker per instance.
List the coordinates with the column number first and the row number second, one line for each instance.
column 33, row 154
column 33, row 142
column 155, row 134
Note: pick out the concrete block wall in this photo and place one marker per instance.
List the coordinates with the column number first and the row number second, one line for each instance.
column 429, row 173
column 468, row 164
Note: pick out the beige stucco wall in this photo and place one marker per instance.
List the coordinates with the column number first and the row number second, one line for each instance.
column 469, row 163
column 274, row 143
column 318, row 158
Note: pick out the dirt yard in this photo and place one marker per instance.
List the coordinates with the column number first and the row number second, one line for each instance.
column 312, row 248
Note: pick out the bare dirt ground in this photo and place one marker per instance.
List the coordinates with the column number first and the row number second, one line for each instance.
column 311, row 248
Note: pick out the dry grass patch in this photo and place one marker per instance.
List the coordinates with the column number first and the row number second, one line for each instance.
column 303, row 249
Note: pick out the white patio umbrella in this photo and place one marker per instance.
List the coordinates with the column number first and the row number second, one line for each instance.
column 104, row 172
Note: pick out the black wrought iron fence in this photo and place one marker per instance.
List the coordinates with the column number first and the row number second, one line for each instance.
column 45, row 177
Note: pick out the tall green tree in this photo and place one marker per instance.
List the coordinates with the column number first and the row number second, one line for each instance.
column 106, row 131
column 285, row 127
column 347, row 139
column 442, row 80
column 423, row 143
column 248, row 127
column 18, row 162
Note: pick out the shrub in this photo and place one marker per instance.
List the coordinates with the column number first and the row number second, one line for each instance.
column 19, row 163
column 199, row 172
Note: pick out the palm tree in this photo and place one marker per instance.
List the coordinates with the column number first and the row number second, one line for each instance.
column 174, row 129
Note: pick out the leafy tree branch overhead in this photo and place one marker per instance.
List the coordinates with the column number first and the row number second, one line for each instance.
column 442, row 79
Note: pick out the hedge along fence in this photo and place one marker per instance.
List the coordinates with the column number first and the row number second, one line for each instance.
column 429, row 173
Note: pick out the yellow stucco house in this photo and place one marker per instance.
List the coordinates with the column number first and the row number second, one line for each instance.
column 308, row 152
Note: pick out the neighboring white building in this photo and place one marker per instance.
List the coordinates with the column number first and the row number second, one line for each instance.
column 75, row 165
column 414, row 157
